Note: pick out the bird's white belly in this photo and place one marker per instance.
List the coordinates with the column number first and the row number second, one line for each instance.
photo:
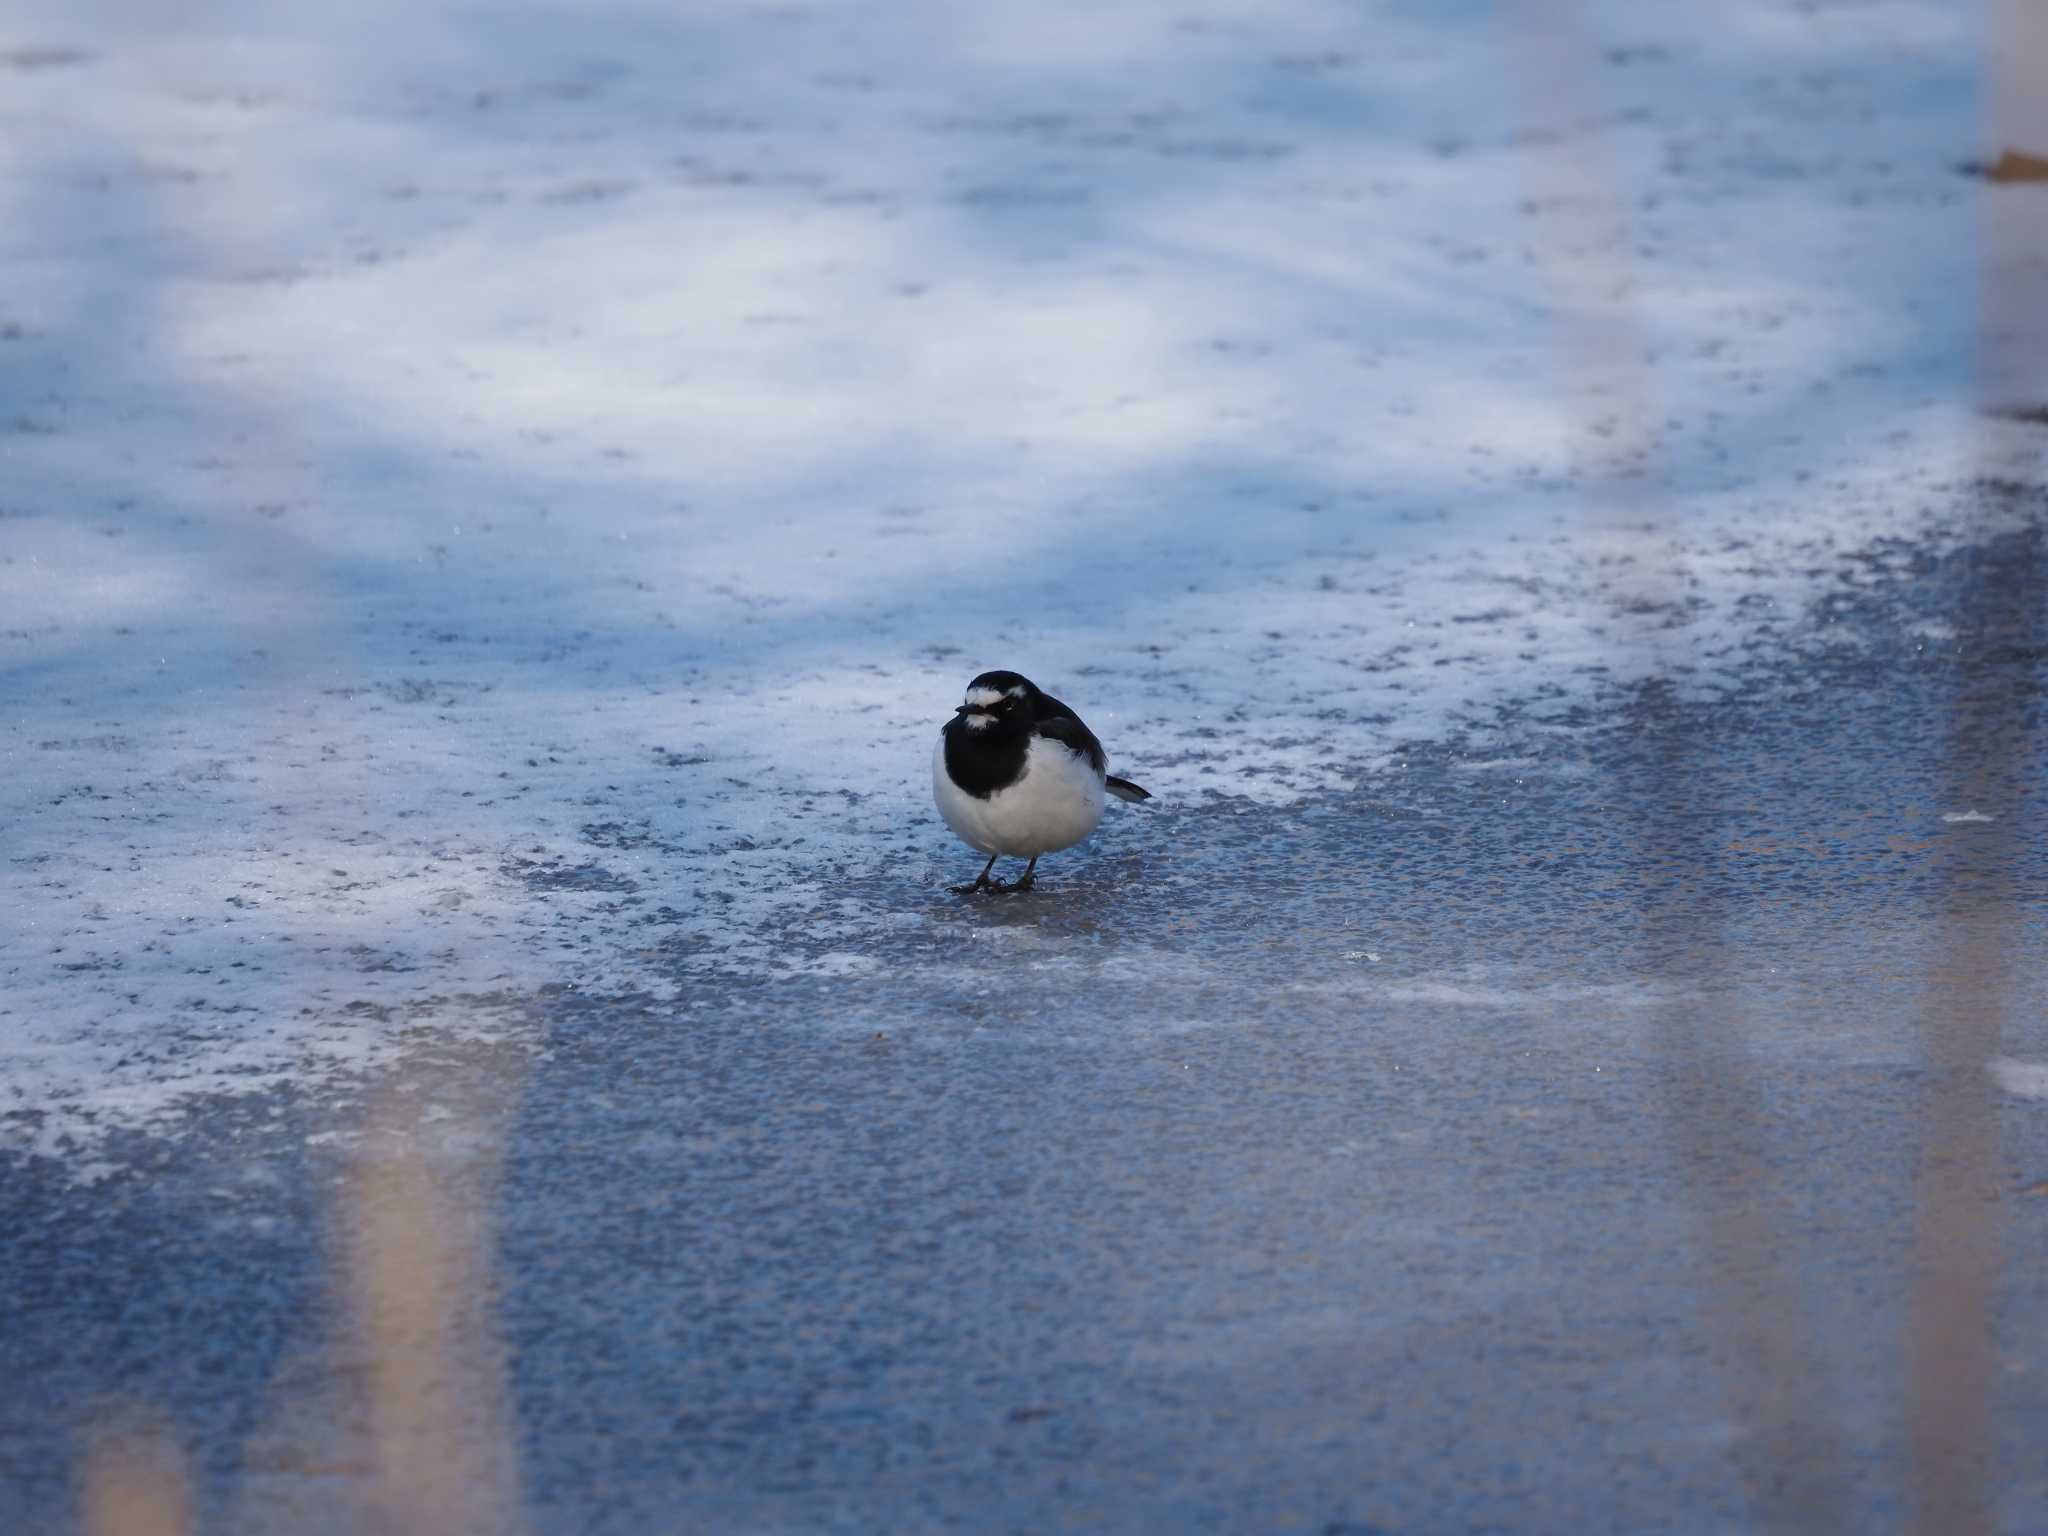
column 1056, row 803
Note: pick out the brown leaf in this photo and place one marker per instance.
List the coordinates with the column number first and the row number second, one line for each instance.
column 2014, row 165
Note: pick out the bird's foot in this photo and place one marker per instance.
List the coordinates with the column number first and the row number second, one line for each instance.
column 982, row 882
column 995, row 887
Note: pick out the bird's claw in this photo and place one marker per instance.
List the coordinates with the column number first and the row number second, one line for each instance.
column 996, row 887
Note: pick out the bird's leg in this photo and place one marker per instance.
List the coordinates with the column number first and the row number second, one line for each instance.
column 1024, row 880
column 981, row 881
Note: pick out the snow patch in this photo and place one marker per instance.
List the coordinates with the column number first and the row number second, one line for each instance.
column 2022, row 1079
column 499, row 509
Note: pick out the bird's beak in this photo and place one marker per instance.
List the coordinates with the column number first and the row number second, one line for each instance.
column 968, row 709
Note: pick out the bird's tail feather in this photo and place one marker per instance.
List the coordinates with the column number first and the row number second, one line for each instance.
column 1124, row 789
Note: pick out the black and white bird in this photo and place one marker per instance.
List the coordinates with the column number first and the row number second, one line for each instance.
column 1017, row 773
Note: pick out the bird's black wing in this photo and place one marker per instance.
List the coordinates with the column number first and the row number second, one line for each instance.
column 1060, row 723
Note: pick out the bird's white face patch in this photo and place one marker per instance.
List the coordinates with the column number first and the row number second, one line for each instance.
column 978, row 722
column 982, row 698
column 1015, row 693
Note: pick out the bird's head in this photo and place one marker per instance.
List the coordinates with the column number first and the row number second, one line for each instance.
column 998, row 698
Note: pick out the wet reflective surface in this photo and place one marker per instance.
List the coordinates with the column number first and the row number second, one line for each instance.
column 1535, row 1137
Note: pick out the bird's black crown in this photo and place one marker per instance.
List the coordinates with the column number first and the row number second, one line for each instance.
column 1004, row 697
column 1004, row 682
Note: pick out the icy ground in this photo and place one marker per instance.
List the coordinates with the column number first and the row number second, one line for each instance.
column 495, row 502
column 498, row 499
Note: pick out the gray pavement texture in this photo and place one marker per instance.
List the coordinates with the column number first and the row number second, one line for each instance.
column 1529, row 1139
